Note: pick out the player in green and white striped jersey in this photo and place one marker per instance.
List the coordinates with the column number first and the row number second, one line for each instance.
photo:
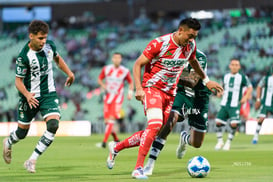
column 232, row 98
column 35, row 83
column 264, row 102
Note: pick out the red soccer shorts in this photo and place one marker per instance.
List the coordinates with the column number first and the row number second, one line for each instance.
column 155, row 98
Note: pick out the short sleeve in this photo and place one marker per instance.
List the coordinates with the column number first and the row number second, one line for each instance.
column 21, row 67
column 152, row 49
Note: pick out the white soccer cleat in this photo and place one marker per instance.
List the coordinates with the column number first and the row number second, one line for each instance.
column 112, row 155
column 30, row 166
column 139, row 174
column 6, row 152
column 226, row 146
column 181, row 148
column 219, row 145
column 148, row 169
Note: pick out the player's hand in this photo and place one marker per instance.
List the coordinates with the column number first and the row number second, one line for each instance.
column 215, row 87
column 32, row 101
column 243, row 100
column 257, row 105
column 130, row 94
column 70, row 79
column 140, row 94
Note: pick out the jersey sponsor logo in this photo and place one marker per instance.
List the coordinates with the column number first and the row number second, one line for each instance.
column 187, row 111
column 173, row 62
column 19, row 62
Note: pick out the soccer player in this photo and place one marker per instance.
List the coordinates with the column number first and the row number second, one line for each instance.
column 192, row 100
column 35, row 83
column 164, row 59
column 264, row 101
column 232, row 98
column 115, row 76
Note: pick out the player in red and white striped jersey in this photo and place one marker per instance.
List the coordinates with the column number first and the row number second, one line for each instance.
column 164, row 59
column 115, row 76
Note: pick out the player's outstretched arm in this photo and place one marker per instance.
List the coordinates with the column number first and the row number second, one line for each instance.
column 63, row 66
column 212, row 85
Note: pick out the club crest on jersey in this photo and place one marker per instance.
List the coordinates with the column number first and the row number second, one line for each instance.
column 152, row 101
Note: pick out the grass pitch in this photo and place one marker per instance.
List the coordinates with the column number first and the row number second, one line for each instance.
column 78, row 159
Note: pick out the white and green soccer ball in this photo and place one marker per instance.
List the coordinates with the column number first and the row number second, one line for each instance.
column 198, row 167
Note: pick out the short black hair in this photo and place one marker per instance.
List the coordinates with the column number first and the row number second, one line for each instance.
column 235, row 59
column 38, row 26
column 118, row 53
column 191, row 23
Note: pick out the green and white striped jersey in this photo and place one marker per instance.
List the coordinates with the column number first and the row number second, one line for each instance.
column 202, row 59
column 233, row 89
column 266, row 83
column 36, row 69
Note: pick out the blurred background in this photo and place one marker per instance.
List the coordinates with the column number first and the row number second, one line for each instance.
column 87, row 32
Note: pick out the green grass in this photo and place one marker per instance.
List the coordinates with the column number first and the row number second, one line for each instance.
column 77, row 159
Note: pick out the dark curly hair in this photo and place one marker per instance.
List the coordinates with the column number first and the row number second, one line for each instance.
column 38, row 26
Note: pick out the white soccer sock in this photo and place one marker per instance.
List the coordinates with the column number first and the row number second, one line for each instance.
column 42, row 145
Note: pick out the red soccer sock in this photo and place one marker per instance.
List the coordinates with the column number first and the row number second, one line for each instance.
column 146, row 141
column 108, row 131
column 115, row 136
column 129, row 142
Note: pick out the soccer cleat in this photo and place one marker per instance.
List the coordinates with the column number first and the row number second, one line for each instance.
column 101, row 145
column 254, row 141
column 219, row 145
column 181, row 148
column 139, row 174
column 6, row 152
column 30, row 166
column 226, row 146
column 148, row 169
column 112, row 155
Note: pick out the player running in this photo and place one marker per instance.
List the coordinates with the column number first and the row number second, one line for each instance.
column 164, row 59
column 115, row 76
column 192, row 100
column 264, row 101
column 234, row 82
column 35, row 83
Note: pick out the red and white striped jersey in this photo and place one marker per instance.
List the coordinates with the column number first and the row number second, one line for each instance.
column 114, row 80
column 167, row 60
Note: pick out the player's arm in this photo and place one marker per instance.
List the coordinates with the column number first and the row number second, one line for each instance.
column 140, row 62
column 248, row 93
column 131, row 86
column 32, row 101
column 100, row 81
column 63, row 66
column 212, row 85
column 258, row 97
column 259, row 93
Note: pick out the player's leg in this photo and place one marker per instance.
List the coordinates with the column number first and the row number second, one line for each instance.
column 49, row 108
column 117, row 110
column 234, row 114
column 261, row 118
column 198, row 119
column 159, row 142
column 25, row 116
column 220, row 120
column 181, row 101
column 154, row 101
column 116, row 147
column 109, row 123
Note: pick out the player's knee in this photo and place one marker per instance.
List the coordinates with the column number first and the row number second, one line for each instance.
column 196, row 144
column 21, row 133
column 52, row 125
column 233, row 125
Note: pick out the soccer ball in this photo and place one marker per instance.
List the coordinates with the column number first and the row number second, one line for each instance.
column 198, row 167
